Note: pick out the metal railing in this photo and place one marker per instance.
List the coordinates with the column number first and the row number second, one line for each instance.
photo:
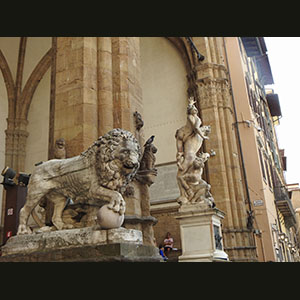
column 283, row 202
column 281, row 193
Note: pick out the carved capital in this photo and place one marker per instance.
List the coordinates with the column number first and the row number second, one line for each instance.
column 21, row 124
column 214, row 92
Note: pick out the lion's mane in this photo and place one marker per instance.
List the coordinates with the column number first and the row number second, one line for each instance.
column 107, row 167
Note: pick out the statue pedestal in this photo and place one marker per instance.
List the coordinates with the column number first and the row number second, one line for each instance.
column 201, row 235
column 88, row 244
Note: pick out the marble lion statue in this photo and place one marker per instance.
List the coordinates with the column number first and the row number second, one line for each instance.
column 98, row 175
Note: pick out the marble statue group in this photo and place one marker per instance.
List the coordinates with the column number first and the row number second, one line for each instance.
column 190, row 161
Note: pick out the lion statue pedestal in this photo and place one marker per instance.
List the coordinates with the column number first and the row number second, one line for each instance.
column 88, row 244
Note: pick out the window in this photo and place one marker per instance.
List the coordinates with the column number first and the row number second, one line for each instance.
column 271, row 176
column 262, row 164
column 268, row 174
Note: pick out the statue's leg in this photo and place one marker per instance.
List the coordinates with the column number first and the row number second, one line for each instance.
column 117, row 203
column 188, row 161
column 31, row 201
column 198, row 195
column 191, row 147
column 183, row 188
column 59, row 205
column 115, row 199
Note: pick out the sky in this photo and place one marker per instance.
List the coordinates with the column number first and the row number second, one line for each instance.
column 284, row 58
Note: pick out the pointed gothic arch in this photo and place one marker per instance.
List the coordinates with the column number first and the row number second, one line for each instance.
column 37, row 74
column 19, row 101
column 9, row 83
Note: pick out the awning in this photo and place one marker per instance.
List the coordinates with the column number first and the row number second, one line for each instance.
column 255, row 47
column 274, row 105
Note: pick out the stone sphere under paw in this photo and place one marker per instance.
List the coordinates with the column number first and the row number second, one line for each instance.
column 108, row 219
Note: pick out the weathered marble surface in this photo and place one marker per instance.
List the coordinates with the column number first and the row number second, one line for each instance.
column 70, row 238
column 97, row 176
column 108, row 219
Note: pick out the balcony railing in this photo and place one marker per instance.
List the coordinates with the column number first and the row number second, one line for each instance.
column 283, row 202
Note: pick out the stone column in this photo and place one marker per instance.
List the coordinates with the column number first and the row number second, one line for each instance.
column 121, row 102
column 16, row 137
column 127, row 99
column 105, row 85
column 224, row 170
column 127, row 94
column 98, row 88
column 9, row 143
column 119, row 84
column 76, row 101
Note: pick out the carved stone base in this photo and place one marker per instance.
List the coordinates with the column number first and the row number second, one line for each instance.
column 201, row 235
column 79, row 245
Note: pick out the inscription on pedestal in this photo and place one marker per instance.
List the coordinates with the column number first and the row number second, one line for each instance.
column 196, row 238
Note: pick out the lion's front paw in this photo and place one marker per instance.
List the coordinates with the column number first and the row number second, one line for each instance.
column 45, row 229
column 23, row 229
column 68, row 226
column 117, row 204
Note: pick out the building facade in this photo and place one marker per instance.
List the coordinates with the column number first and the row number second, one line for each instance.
column 258, row 112
column 79, row 88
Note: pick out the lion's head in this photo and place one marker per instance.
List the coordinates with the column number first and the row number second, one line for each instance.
column 117, row 158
